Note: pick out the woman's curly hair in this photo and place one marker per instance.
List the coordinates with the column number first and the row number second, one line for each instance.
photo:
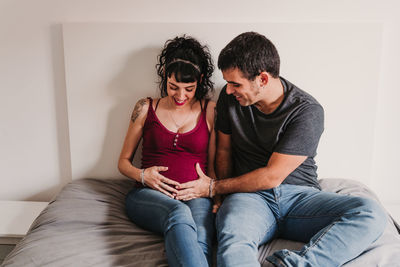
column 189, row 61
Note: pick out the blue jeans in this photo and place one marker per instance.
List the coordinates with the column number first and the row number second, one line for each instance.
column 187, row 227
column 336, row 228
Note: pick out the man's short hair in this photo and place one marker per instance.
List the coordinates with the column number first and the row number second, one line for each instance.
column 252, row 53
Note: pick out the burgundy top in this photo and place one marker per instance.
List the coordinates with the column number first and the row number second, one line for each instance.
column 177, row 151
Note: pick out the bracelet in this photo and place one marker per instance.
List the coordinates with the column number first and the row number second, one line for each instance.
column 142, row 177
column 210, row 188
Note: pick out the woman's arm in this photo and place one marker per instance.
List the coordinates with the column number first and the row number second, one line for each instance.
column 132, row 139
column 151, row 176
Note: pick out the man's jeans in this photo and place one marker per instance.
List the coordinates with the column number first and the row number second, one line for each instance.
column 188, row 227
column 336, row 228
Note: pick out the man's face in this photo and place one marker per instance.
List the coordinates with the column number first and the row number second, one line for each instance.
column 245, row 91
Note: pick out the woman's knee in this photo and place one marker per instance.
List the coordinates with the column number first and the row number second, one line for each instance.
column 179, row 214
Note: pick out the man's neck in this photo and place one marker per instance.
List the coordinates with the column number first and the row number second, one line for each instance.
column 272, row 96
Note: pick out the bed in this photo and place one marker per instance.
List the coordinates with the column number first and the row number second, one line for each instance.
column 86, row 225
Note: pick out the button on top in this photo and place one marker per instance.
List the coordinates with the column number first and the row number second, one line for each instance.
column 176, row 139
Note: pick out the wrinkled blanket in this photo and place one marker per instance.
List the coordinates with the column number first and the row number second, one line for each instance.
column 86, row 225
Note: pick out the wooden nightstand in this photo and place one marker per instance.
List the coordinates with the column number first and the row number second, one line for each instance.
column 16, row 217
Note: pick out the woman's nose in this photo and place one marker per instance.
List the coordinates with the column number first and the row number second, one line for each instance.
column 181, row 93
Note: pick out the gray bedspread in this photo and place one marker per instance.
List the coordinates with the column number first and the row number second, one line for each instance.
column 86, row 225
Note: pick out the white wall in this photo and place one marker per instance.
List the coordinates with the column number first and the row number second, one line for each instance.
column 35, row 156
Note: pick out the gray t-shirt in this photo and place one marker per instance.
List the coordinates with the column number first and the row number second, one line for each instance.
column 294, row 128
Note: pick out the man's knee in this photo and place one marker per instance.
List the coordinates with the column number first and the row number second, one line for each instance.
column 227, row 221
column 231, row 231
column 372, row 212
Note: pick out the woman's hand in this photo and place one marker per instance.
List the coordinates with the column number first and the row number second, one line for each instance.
column 153, row 179
column 195, row 189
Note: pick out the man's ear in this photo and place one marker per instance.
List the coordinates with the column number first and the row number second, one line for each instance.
column 264, row 78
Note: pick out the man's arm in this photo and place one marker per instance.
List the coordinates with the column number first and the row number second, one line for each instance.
column 223, row 156
column 278, row 168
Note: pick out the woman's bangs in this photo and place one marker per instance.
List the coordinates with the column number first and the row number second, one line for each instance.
column 184, row 73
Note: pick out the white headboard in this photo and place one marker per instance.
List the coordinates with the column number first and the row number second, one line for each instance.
column 109, row 66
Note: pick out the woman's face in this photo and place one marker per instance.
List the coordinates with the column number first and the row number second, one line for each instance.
column 180, row 94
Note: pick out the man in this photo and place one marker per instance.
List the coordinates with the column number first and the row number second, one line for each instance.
column 268, row 132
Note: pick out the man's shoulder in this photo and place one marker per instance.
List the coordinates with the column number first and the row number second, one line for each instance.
column 297, row 96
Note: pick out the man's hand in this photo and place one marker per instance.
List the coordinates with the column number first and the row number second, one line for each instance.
column 217, row 203
column 194, row 189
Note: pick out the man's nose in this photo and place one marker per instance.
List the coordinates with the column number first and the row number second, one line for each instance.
column 229, row 89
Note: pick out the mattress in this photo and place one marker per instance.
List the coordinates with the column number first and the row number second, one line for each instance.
column 86, row 225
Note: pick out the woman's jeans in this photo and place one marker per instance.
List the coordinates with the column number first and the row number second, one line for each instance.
column 188, row 227
column 336, row 228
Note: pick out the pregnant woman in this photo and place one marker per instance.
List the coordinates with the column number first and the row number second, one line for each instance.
column 178, row 137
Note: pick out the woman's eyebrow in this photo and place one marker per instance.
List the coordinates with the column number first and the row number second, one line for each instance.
column 190, row 86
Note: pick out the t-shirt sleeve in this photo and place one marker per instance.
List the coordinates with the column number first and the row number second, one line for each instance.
column 301, row 135
column 223, row 122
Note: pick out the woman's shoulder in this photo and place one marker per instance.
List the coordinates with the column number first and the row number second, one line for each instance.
column 211, row 102
column 210, row 114
column 210, row 111
column 143, row 103
column 141, row 108
column 210, row 105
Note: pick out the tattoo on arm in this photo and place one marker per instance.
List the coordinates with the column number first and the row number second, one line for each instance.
column 138, row 108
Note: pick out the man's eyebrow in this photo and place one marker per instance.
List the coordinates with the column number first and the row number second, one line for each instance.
column 231, row 82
